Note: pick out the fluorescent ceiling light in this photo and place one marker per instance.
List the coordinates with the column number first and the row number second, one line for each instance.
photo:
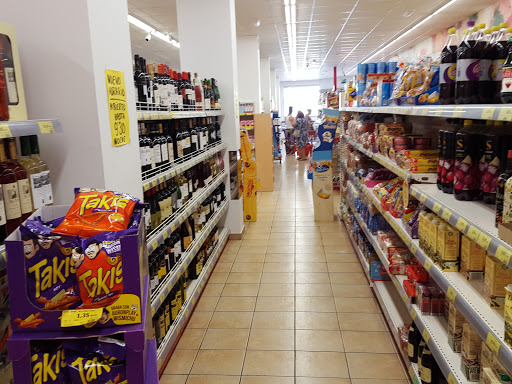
column 409, row 31
column 146, row 28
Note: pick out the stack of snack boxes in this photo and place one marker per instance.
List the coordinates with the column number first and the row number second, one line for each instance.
column 497, row 277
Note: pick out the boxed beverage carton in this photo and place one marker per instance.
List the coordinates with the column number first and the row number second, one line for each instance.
column 471, row 351
column 486, row 357
column 423, row 298
column 508, row 315
column 472, row 259
column 455, row 322
column 487, row 376
column 448, row 247
column 497, row 277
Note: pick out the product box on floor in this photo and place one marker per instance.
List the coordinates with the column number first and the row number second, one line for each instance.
column 43, row 285
column 110, row 355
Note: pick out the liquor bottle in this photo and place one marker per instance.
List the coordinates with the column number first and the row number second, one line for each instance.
column 412, row 344
column 499, row 55
column 44, row 173
column 164, row 149
column 194, row 137
column 217, row 130
column 185, row 138
column 10, row 192
column 186, row 235
column 190, row 182
column 506, row 82
column 4, row 101
column 440, row 161
column 183, row 184
column 21, row 176
column 32, row 168
column 147, row 210
column 10, row 75
column 170, row 142
column 142, row 148
column 448, row 70
column 466, row 88
column 466, row 183
column 190, row 91
column 154, row 209
column 500, row 189
column 179, row 198
column 216, row 93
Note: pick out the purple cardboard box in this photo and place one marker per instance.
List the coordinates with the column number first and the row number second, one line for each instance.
column 136, row 336
column 126, row 310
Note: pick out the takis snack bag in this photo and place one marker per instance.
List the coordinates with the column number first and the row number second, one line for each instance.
column 48, row 363
column 51, row 279
column 96, row 361
column 95, row 211
column 98, row 265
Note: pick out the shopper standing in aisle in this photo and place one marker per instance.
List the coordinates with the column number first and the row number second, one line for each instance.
column 301, row 126
column 289, row 121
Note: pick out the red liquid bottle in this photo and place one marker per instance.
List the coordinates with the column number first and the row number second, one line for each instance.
column 485, row 84
column 468, row 68
column 4, row 102
column 499, row 54
column 448, row 70
column 466, row 183
column 440, row 161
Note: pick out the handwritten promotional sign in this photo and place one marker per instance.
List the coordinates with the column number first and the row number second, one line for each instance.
column 117, row 107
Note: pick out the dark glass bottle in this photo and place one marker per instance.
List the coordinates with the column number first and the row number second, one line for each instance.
column 22, row 178
column 194, row 142
column 412, row 343
column 448, row 70
column 10, row 193
column 499, row 55
column 485, row 85
column 500, row 189
column 466, row 88
column 466, row 185
column 147, row 210
column 440, row 161
column 506, row 82
column 449, row 144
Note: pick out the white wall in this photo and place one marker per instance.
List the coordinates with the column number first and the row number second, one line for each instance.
column 266, row 95
column 249, row 78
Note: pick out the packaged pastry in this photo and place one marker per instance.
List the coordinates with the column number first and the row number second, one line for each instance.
column 95, row 211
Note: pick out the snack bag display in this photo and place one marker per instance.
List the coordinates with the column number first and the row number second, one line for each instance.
column 51, row 279
column 96, row 361
column 49, row 363
column 95, row 211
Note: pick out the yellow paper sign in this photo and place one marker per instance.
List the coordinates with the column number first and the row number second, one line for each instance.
column 423, row 198
column 117, row 107
column 155, row 245
column 503, row 254
column 428, row 265
column 461, row 224
column 436, row 208
column 426, row 336
column 492, row 343
column 451, row 379
column 473, row 233
column 76, row 317
column 484, row 240
column 46, row 127
column 413, row 314
column 447, row 214
column 488, row 113
column 414, row 249
column 451, row 294
column 505, row 114
column 5, row 131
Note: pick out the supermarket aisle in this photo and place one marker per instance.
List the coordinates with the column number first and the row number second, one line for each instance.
column 287, row 304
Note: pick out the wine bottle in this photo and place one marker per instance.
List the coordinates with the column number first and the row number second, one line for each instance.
column 10, row 193
column 44, row 172
column 21, row 176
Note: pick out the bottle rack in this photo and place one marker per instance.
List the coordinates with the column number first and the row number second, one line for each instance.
column 158, row 175
column 158, row 297
column 170, row 115
column 194, row 291
column 466, row 297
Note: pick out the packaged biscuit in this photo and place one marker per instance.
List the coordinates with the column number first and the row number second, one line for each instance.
column 51, row 279
column 96, row 361
column 49, row 363
column 95, row 211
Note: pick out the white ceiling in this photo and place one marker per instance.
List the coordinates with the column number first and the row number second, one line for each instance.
column 336, row 33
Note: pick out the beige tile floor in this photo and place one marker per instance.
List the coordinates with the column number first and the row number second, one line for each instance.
column 287, row 304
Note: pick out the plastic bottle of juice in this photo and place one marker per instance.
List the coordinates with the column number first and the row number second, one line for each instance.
column 485, row 85
column 448, row 70
column 506, row 81
column 500, row 189
column 448, row 171
column 499, row 54
column 468, row 70
column 466, row 183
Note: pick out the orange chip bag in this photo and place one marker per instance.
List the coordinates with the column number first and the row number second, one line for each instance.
column 95, row 211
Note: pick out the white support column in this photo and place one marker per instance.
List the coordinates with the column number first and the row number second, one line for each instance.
column 273, row 92
column 65, row 47
column 278, row 98
column 213, row 53
column 249, row 72
column 266, row 94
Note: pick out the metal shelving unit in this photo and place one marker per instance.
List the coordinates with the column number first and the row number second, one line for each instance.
column 476, row 111
column 158, row 235
column 158, row 297
column 160, row 175
column 29, row 127
column 170, row 115
column 466, row 296
column 193, row 293
column 393, row 167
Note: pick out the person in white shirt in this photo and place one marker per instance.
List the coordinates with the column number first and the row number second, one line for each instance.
column 289, row 121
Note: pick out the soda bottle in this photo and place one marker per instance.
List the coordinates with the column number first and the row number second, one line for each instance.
column 440, row 162
column 500, row 189
column 448, row 171
column 506, row 81
column 499, row 54
column 485, row 85
column 466, row 183
column 448, row 70
column 468, row 68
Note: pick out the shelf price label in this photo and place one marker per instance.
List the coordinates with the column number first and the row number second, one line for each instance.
column 413, row 192
column 447, row 214
column 436, row 208
column 503, row 254
column 428, row 265
column 160, row 179
column 484, row 240
column 5, row 131
column 45, row 127
column 154, row 245
column 424, row 111
column 457, row 112
column 474, row 233
column 145, row 187
column 488, row 113
column 505, row 114
column 165, row 235
column 152, row 311
column 413, row 314
column 439, row 112
column 426, row 336
column 414, row 249
column 451, row 294
column 75, row 317
column 423, row 198
column 492, row 343
column 404, row 297
column 461, row 224
column 451, row 379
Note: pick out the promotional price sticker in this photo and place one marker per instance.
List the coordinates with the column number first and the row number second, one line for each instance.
column 76, row 317
column 484, row 240
column 436, row 208
column 451, row 294
column 461, row 224
column 5, row 131
column 503, row 254
column 146, row 187
column 492, row 343
column 46, row 127
column 447, row 214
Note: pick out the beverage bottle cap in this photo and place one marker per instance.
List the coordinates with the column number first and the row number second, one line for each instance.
column 452, row 31
column 467, row 122
column 505, row 378
column 487, row 31
column 503, row 25
column 481, row 26
column 509, row 154
column 509, row 30
column 495, row 28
